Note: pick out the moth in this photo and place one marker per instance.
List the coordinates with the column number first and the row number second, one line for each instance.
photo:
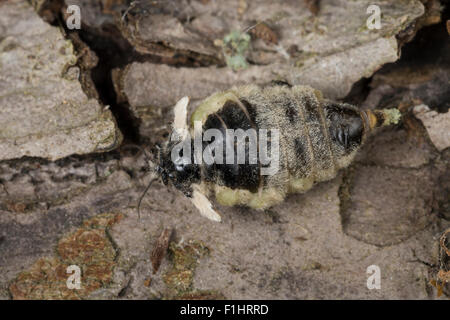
column 315, row 137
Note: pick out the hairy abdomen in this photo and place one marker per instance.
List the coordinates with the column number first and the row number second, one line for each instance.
column 307, row 152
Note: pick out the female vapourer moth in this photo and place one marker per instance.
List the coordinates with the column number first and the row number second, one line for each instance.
column 306, row 139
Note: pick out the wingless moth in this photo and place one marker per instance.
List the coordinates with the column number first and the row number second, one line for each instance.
column 315, row 138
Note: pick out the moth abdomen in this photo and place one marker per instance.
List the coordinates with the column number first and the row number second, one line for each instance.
column 234, row 115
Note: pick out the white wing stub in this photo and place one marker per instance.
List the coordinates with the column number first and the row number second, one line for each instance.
column 203, row 205
column 180, row 113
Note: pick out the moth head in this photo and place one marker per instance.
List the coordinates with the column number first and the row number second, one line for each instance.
column 176, row 165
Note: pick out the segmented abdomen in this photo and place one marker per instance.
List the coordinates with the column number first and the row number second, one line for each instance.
column 306, row 154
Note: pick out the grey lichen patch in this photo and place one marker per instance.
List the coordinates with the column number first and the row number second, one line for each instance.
column 45, row 112
column 384, row 206
column 37, row 184
column 436, row 124
column 336, row 73
column 393, row 147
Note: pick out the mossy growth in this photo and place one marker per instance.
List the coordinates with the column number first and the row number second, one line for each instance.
column 180, row 277
column 89, row 247
column 185, row 257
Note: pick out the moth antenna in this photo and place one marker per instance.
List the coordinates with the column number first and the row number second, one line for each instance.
column 143, row 195
column 152, row 168
column 253, row 26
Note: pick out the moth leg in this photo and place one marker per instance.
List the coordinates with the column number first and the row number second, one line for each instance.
column 203, row 205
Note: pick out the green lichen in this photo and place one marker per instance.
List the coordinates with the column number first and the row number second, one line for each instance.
column 235, row 47
column 393, row 116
